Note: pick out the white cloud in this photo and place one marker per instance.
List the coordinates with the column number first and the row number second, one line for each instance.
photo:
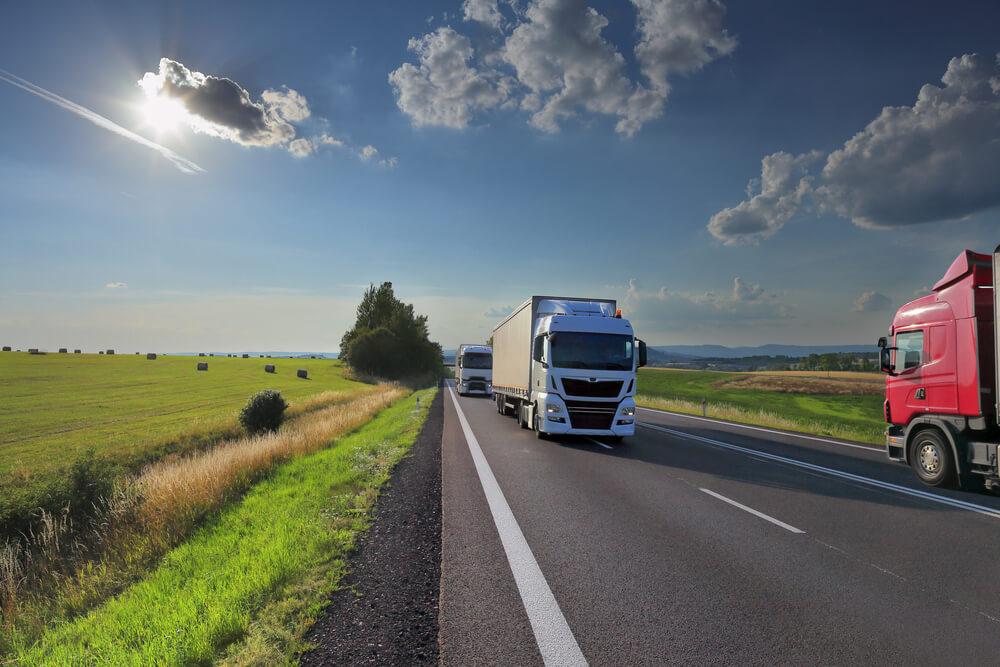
column 116, row 285
column 499, row 312
column 486, row 12
column 182, row 163
column 744, row 291
column 301, row 147
column 930, row 162
column 562, row 64
column 783, row 185
column 870, row 302
column 934, row 161
column 367, row 152
column 444, row 90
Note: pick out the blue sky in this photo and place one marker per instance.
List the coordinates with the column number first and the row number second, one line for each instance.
column 473, row 200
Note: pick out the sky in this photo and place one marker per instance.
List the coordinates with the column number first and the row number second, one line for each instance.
column 231, row 176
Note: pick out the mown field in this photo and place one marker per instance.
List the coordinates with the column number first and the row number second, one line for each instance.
column 839, row 404
column 129, row 410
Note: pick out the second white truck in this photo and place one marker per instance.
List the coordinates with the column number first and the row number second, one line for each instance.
column 474, row 369
column 565, row 365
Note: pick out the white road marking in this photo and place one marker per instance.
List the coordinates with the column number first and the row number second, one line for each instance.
column 915, row 493
column 828, row 441
column 765, row 517
column 555, row 640
column 598, row 442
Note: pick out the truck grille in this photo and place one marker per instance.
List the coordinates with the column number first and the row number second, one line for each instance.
column 599, row 389
column 591, row 414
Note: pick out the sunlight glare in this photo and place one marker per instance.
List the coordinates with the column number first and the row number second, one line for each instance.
column 163, row 114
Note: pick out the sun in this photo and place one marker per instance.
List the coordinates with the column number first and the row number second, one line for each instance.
column 163, row 114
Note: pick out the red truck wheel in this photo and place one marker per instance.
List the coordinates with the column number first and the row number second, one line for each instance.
column 931, row 459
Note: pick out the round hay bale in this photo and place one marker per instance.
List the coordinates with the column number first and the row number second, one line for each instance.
column 111, row 351
column 246, row 356
column 6, row 348
column 202, row 365
column 269, row 368
column 63, row 350
column 33, row 350
column 151, row 355
column 201, row 354
column 77, row 352
column 302, row 373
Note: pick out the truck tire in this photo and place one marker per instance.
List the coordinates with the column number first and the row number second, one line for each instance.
column 521, row 419
column 541, row 435
column 931, row 459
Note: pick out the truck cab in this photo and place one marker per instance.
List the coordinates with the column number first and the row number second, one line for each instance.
column 940, row 361
column 474, row 370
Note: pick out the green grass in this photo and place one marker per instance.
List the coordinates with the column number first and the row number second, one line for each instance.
column 246, row 585
column 127, row 409
column 855, row 417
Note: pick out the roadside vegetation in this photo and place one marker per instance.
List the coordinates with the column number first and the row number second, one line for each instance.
column 838, row 404
column 389, row 340
column 61, row 570
column 246, row 585
column 70, row 425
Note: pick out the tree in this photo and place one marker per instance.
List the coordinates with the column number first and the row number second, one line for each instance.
column 388, row 339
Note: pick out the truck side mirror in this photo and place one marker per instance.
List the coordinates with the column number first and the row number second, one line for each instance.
column 885, row 359
column 642, row 354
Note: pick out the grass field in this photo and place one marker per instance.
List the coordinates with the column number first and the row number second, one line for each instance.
column 246, row 585
column 128, row 410
column 844, row 405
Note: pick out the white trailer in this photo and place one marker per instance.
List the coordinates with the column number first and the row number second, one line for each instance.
column 565, row 365
column 474, row 369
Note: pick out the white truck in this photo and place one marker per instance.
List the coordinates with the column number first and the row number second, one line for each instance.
column 474, row 369
column 564, row 365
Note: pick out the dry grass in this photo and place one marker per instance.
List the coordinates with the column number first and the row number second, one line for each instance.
column 845, row 384
column 740, row 415
column 60, row 571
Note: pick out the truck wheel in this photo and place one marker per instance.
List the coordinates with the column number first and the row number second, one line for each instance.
column 521, row 418
column 931, row 459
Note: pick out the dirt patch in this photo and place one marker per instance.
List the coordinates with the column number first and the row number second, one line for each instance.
column 386, row 611
column 807, row 384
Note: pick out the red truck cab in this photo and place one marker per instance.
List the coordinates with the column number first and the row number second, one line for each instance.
column 941, row 371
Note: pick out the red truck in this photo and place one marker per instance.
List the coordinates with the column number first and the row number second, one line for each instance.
column 942, row 361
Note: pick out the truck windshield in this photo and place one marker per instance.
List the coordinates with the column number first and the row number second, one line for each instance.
column 477, row 360
column 594, row 351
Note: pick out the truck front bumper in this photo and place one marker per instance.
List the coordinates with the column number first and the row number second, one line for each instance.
column 895, row 443
column 474, row 387
column 558, row 419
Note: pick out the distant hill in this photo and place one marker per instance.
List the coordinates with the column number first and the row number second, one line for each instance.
column 770, row 350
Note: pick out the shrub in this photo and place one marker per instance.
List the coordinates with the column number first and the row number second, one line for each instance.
column 263, row 412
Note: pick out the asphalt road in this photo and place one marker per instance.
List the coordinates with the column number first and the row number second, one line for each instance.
column 699, row 542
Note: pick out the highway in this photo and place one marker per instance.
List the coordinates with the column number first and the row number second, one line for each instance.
column 697, row 541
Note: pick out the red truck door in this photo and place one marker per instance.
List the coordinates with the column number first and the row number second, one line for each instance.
column 939, row 371
column 906, row 389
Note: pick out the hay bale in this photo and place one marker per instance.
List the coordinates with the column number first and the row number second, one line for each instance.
column 211, row 354
column 151, row 355
column 6, row 348
column 101, row 352
column 302, row 373
column 62, row 350
column 246, row 356
column 111, row 351
column 269, row 368
column 33, row 350
column 202, row 365
column 77, row 352
column 137, row 354
column 201, row 354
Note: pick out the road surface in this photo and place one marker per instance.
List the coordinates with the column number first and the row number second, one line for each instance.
column 697, row 541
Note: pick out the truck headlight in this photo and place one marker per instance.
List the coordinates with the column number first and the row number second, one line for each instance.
column 628, row 411
column 553, row 408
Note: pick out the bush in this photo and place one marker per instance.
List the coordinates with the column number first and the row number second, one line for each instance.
column 264, row 412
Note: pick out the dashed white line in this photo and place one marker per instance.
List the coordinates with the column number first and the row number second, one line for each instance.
column 828, row 441
column 765, row 517
column 914, row 493
column 555, row 640
column 598, row 442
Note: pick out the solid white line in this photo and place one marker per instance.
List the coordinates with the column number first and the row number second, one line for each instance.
column 765, row 517
column 915, row 493
column 555, row 640
column 870, row 448
column 598, row 442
